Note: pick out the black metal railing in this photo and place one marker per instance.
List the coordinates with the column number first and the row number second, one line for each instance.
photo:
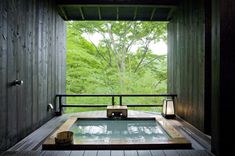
column 120, row 96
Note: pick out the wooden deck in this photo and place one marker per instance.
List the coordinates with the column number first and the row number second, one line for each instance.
column 31, row 145
column 111, row 153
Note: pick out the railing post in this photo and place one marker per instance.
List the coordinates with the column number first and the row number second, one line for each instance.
column 120, row 100
column 113, row 100
column 173, row 98
column 60, row 105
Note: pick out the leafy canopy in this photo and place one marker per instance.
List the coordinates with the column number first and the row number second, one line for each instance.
column 111, row 65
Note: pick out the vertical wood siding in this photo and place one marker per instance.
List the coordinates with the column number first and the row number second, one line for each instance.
column 215, row 140
column 223, row 76
column 186, row 61
column 32, row 49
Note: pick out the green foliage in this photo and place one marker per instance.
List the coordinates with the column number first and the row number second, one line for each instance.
column 111, row 67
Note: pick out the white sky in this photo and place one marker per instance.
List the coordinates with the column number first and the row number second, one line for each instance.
column 159, row 48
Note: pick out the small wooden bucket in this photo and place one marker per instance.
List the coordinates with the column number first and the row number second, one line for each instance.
column 64, row 138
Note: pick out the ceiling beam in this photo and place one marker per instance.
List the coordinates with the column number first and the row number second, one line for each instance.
column 81, row 12
column 107, row 6
column 169, row 16
column 121, row 2
column 99, row 13
column 135, row 13
column 63, row 13
column 117, row 13
column 152, row 14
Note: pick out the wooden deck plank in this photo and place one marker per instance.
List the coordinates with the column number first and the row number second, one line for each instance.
column 117, row 153
column 202, row 153
column 63, row 153
column 131, row 153
column 193, row 153
column 49, row 153
column 77, row 153
column 104, row 153
column 8, row 153
column 26, row 153
column 171, row 153
column 157, row 152
column 185, row 152
column 110, row 153
column 55, row 153
column 90, row 153
column 21, row 153
column 144, row 153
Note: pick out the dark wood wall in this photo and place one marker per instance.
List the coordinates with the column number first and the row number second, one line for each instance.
column 32, row 49
column 215, row 75
column 188, row 56
column 223, row 76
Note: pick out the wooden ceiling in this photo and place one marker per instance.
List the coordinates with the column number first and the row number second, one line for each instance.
column 133, row 10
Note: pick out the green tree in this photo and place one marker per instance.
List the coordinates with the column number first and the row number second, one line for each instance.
column 111, row 66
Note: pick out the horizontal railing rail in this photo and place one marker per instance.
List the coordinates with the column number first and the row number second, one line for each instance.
column 120, row 96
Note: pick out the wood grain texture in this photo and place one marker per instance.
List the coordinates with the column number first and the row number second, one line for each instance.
column 215, row 24
column 77, row 153
column 130, row 153
column 208, row 66
column 171, row 153
column 3, row 72
column 90, row 153
column 144, row 153
column 187, row 65
column 29, row 31
column 157, row 153
column 12, row 34
column 103, row 153
column 117, row 153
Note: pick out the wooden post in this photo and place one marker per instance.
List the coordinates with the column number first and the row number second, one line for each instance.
column 113, row 102
column 58, row 113
column 120, row 100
